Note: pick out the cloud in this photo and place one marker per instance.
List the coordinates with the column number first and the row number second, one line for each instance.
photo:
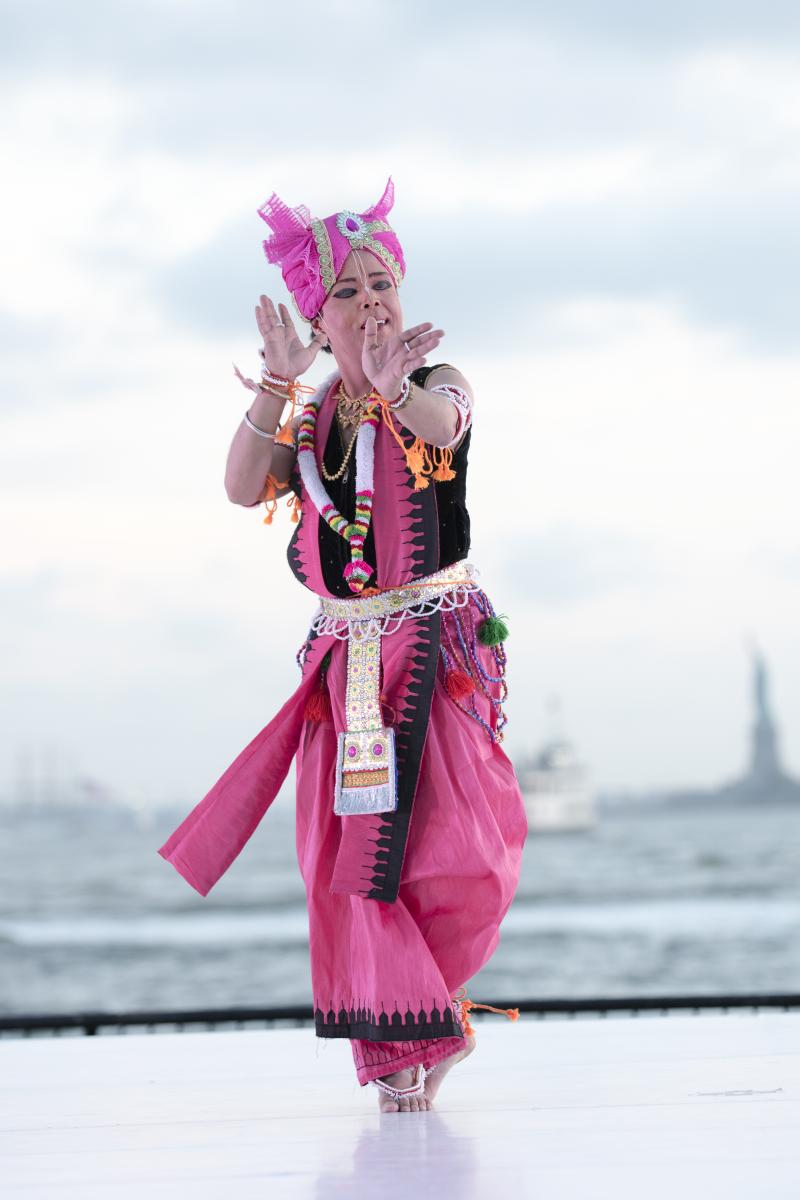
column 598, row 205
column 567, row 565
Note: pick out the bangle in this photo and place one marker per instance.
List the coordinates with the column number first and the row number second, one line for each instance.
column 267, row 374
column 278, row 380
column 255, row 429
column 273, row 391
column 404, row 397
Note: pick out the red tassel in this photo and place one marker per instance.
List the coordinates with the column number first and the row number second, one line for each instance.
column 459, row 685
column 318, row 704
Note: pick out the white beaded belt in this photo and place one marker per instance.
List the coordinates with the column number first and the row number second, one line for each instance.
column 366, row 768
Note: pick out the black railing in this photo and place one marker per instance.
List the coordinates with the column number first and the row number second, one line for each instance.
column 90, row 1023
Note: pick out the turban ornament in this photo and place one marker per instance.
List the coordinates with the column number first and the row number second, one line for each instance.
column 311, row 251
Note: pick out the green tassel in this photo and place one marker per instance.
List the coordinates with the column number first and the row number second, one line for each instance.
column 492, row 631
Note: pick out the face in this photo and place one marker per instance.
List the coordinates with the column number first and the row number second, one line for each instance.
column 364, row 287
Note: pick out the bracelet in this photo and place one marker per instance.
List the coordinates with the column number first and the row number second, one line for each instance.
column 273, row 391
column 404, row 397
column 255, row 429
column 267, row 374
column 278, row 380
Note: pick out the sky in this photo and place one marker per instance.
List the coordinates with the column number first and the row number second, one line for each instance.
column 596, row 203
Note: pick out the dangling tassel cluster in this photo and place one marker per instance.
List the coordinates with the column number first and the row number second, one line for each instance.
column 268, row 496
column 464, row 1004
column 318, row 705
column 443, row 457
column 417, row 455
column 270, row 501
column 464, row 673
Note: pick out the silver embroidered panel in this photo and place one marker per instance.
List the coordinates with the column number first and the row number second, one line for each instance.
column 366, row 772
column 366, row 768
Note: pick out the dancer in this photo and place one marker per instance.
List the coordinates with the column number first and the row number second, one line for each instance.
column 410, row 820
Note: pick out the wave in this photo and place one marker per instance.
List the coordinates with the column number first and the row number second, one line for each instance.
column 694, row 919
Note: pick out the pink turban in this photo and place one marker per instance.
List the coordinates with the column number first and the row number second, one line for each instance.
column 311, row 251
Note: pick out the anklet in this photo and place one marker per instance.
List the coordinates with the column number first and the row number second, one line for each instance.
column 398, row 1093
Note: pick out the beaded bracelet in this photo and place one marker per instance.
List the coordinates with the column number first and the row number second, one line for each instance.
column 274, row 383
column 405, row 395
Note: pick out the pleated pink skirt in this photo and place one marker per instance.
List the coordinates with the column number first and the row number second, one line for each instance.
column 459, row 876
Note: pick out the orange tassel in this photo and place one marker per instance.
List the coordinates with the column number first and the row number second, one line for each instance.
column 417, row 455
column 271, row 503
column 284, row 436
column 466, row 1005
column 443, row 470
column 268, row 496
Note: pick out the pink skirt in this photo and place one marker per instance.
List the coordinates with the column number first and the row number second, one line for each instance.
column 460, row 873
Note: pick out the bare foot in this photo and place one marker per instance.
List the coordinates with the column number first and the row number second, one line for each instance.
column 402, row 1079
column 434, row 1081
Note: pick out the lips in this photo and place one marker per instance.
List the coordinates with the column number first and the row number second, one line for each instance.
column 382, row 321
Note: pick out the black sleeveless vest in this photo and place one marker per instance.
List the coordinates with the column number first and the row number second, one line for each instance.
column 453, row 517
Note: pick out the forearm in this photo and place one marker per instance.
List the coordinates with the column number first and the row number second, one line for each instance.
column 250, row 455
column 429, row 415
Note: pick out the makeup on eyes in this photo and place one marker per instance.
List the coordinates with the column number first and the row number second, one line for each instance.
column 352, row 291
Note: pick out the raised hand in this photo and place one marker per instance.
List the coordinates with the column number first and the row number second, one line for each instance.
column 386, row 363
column 284, row 353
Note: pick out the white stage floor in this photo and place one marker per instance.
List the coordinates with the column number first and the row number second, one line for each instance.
column 696, row 1107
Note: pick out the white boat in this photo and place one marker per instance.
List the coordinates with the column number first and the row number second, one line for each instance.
column 556, row 791
column 555, row 786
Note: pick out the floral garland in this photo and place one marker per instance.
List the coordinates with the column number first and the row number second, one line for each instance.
column 357, row 572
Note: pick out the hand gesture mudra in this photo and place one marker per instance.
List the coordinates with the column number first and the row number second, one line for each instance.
column 284, row 354
column 386, row 364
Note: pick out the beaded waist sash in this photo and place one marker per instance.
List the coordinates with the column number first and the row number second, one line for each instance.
column 366, row 771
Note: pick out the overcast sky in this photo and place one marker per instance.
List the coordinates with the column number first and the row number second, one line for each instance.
column 598, row 203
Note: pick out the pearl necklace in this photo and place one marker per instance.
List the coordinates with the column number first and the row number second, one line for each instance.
column 356, row 572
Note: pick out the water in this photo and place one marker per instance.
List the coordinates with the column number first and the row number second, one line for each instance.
column 649, row 902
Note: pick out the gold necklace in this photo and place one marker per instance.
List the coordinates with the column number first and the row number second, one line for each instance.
column 331, row 476
column 349, row 409
column 349, row 406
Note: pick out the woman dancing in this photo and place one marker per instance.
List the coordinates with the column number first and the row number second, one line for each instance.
column 410, row 821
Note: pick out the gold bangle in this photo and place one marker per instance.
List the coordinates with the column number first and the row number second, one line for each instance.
column 273, row 391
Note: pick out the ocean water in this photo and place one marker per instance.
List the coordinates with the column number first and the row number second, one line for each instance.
column 651, row 901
